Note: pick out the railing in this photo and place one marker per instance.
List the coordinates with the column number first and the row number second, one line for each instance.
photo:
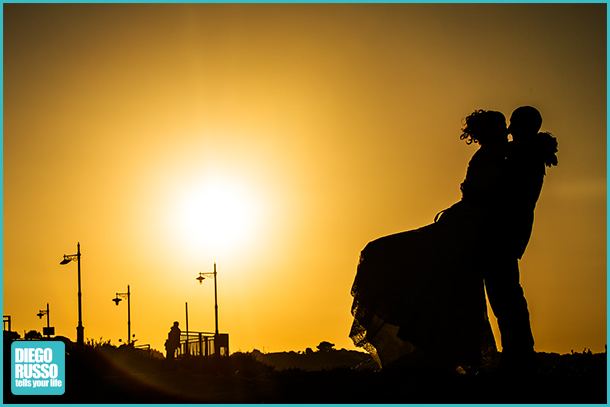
column 203, row 344
column 143, row 347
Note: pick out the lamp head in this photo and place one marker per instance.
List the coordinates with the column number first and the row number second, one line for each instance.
column 200, row 278
column 40, row 314
column 66, row 260
column 116, row 300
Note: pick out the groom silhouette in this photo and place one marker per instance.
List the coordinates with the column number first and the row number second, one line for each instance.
column 525, row 173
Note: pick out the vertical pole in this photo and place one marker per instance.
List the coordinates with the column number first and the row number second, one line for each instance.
column 80, row 330
column 128, row 317
column 215, row 300
column 48, row 324
column 216, row 336
column 186, row 304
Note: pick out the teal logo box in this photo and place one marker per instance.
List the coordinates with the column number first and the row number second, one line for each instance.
column 38, row 368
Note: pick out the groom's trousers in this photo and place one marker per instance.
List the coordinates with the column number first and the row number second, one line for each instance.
column 508, row 303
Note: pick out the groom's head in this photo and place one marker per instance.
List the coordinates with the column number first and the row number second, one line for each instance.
column 525, row 121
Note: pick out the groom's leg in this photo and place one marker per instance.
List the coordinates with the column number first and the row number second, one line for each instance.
column 509, row 305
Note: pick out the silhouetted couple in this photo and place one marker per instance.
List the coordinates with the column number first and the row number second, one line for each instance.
column 420, row 294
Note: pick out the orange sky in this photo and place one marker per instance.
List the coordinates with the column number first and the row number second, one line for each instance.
column 308, row 130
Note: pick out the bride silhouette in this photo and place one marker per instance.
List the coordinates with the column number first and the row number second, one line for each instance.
column 420, row 294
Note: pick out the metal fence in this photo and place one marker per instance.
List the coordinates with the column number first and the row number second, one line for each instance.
column 145, row 348
column 203, row 344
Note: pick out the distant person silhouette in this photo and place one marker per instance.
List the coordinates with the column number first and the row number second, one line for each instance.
column 173, row 341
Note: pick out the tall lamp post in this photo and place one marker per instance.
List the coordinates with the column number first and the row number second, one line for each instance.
column 202, row 277
column 80, row 330
column 118, row 299
column 41, row 314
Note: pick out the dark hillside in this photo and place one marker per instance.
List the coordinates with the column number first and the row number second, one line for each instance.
column 313, row 361
column 125, row 375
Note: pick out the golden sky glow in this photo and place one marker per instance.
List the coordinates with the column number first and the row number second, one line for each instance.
column 276, row 141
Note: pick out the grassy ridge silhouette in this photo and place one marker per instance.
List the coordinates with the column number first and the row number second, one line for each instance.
column 103, row 373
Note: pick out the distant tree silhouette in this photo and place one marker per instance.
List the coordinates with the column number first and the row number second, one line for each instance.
column 325, row 346
column 33, row 335
column 308, row 351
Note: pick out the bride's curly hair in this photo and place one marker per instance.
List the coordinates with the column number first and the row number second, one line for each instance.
column 477, row 125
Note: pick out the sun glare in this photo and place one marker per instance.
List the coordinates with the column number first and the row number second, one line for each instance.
column 216, row 215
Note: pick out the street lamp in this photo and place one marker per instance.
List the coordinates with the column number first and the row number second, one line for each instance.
column 42, row 313
column 80, row 330
column 202, row 277
column 118, row 299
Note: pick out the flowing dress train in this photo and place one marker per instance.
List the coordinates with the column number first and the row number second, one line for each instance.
column 421, row 289
column 416, row 290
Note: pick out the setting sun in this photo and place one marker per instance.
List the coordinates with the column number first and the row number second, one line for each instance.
column 215, row 213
